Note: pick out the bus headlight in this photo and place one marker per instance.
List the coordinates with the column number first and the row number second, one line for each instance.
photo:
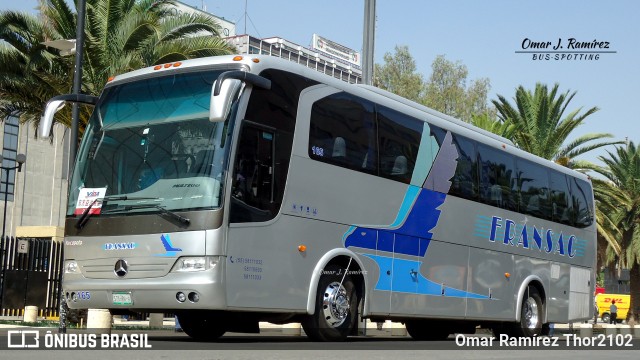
column 196, row 263
column 71, row 266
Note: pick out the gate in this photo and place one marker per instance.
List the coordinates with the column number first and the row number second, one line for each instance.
column 31, row 271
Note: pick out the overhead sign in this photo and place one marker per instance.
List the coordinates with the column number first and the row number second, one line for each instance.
column 335, row 50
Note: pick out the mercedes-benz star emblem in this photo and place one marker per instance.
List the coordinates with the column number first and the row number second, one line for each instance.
column 121, row 268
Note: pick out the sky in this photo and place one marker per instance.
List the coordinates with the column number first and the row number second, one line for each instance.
column 483, row 35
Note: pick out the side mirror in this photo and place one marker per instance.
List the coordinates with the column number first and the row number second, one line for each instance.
column 221, row 98
column 56, row 103
column 46, row 121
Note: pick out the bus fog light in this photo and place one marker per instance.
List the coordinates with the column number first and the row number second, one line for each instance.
column 70, row 266
column 181, row 297
column 194, row 297
column 196, row 263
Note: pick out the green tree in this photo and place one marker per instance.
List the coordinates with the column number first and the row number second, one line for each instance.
column 399, row 75
column 447, row 90
column 618, row 199
column 120, row 35
column 542, row 127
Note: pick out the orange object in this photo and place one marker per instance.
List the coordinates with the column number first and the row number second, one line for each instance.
column 302, row 248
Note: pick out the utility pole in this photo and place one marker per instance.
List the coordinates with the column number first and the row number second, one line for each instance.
column 77, row 82
column 73, row 148
column 368, row 41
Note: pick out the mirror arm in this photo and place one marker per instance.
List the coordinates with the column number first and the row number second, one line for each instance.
column 244, row 76
column 79, row 98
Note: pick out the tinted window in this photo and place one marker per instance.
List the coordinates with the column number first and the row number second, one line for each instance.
column 533, row 183
column 399, row 141
column 582, row 203
column 465, row 180
column 497, row 178
column 560, row 205
column 343, row 132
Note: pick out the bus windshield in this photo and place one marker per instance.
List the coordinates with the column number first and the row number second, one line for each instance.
column 150, row 145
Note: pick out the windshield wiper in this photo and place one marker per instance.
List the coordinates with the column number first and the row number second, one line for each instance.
column 174, row 215
column 82, row 220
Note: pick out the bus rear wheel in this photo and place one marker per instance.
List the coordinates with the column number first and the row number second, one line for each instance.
column 336, row 307
column 531, row 312
column 203, row 326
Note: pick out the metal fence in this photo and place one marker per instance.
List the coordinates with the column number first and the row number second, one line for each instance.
column 30, row 275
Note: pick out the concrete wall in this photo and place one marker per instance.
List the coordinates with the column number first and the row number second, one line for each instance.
column 41, row 187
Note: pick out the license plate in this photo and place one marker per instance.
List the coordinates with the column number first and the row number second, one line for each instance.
column 122, row 298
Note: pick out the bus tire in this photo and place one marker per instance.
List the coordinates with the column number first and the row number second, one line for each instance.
column 202, row 326
column 531, row 312
column 336, row 307
column 423, row 330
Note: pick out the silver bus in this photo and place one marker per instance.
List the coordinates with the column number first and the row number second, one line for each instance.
column 233, row 190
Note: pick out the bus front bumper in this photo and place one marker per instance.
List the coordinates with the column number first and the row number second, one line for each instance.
column 174, row 291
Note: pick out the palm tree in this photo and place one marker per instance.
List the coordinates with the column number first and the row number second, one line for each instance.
column 120, row 35
column 542, row 128
column 485, row 121
column 619, row 199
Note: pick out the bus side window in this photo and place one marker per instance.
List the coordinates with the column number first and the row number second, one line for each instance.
column 582, row 214
column 465, row 180
column 560, row 203
column 533, row 184
column 343, row 132
column 399, row 137
column 497, row 178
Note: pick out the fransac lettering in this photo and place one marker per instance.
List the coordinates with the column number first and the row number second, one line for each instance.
column 119, row 246
column 531, row 237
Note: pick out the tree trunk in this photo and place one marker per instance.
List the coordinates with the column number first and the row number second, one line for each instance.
column 634, row 307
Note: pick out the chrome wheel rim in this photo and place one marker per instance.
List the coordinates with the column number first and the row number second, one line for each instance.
column 335, row 304
column 530, row 313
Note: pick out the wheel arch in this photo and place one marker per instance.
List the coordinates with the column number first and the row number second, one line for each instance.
column 536, row 282
column 338, row 257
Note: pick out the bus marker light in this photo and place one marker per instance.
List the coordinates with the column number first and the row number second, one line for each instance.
column 111, row 78
column 157, row 67
column 302, row 248
column 255, row 60
column 237, row 58
column 177, row 64
column 166, row 66
column 507, row 275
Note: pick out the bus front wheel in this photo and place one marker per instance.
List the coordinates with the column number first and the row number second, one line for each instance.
column 336, row 307
column 202, row 326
